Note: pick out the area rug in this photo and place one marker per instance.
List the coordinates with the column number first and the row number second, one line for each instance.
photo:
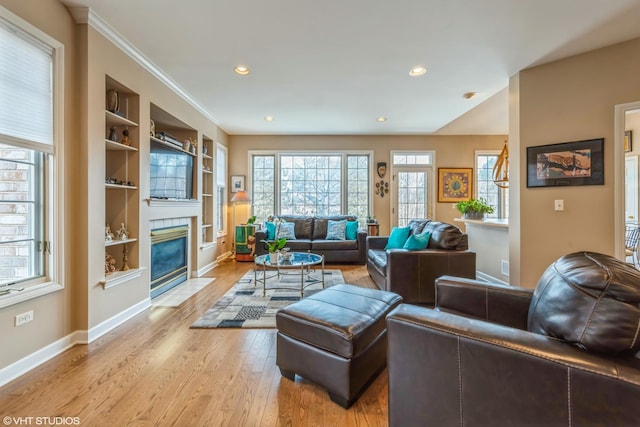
column 243, row 306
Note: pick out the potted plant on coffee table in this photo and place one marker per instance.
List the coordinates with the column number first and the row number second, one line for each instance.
column 474, row 208
column 274, row 249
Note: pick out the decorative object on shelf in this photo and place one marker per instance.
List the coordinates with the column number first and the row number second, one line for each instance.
column 474, row 208
column 382, row 169
column 152, row 128
column 205, row 150
column 382, row 188
column 113, row 100
column 109, row 264
column 566, row 164
column 454, row 184
column 122, row 233
column 193, row 145
column 186, row 145
column 237, row 183
column 125, row 137
column 501, row 168
column 125, row 259
column 628, row 143
column 113, row 135
column 108, row 235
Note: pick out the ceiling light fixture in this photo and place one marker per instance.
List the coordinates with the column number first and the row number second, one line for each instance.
column 417, row 71
column 242, row 70
column 469, row 95
column 381, row 119
column 268, row 118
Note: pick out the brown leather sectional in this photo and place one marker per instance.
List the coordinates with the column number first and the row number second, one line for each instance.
column 311, row 233
column 412, row 274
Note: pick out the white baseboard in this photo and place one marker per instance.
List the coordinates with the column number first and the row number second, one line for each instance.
column 488, row 278
column 224, row 256
column 204, row 270
column 37, row 358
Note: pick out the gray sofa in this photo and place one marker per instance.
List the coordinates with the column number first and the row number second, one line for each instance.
column 412, row 274
column 311, row 233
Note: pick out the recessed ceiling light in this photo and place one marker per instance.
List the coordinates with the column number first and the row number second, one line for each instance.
column 268, row 118
column 417, row 71
column 469, row 95
column 242, row 70
column 381, row 119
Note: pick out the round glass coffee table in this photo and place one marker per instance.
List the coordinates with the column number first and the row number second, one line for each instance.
column 299, row 263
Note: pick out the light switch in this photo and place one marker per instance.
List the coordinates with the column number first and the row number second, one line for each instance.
column 558, row 205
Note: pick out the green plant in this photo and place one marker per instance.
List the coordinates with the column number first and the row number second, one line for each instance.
column 251, row 220
column 474, row 205
column 276, row 245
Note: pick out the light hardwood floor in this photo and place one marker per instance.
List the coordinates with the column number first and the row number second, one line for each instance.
column 154, row 370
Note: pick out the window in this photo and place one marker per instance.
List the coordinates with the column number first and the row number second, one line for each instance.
column 30, row 129
column 311, row 184
column 486, row 188
column 221, row 188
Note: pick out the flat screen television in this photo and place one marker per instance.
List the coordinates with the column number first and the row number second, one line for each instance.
column 171, row 173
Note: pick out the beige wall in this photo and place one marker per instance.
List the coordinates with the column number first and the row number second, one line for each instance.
column 84, row 304
column 569, row 100
column 53, row 313
column 451, row 151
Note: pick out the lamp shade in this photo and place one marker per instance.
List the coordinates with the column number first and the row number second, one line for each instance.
column 241, row 197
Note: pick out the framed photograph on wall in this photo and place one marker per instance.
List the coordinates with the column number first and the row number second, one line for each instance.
column 455, row 184
column 566, row 164
column 237, row 183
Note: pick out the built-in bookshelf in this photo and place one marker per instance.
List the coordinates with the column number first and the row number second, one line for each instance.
column 122, row 170
column 207, row 190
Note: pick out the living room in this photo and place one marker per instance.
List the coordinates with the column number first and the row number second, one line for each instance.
column 564, row 99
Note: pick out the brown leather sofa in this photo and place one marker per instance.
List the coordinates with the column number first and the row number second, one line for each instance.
column 311, row 233
column 562, row 355
column 412, row 274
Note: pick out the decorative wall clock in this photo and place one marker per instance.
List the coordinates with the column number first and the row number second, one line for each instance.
column 455, row 184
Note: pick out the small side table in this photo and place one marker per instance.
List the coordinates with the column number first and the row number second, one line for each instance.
column 373, row 229
column 245, row 242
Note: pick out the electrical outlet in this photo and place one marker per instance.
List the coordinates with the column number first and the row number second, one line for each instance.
column 23, row 318
column 558, row 205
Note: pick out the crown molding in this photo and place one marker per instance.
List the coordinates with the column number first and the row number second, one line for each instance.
column 84, row 15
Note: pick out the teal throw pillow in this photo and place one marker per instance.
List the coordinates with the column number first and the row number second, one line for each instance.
column 398, row 237
column 417, row 243
column 336, row 230
column 352, row 230
column 286, row 230
column 271, row 230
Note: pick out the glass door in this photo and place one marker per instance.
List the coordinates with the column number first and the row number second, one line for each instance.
column 412, row 195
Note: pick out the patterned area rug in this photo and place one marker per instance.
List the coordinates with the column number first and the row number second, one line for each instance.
column 243, row 306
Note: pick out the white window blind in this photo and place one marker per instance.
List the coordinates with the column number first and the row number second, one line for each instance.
column 26, row 88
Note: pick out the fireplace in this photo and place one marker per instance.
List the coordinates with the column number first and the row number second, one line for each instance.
column 169, row 255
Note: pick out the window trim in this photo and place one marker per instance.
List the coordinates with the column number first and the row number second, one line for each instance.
column 502, row 207
column 223, row 203
column 53, row 278
column 277, row 153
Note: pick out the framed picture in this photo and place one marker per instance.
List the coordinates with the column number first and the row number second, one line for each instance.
column 237, row 183
column 628, row 143
column 568, row 163
column 455, row 184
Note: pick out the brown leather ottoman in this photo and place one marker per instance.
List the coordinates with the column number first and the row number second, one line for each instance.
column 336, row 338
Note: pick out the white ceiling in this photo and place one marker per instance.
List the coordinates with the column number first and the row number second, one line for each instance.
column 333, row 66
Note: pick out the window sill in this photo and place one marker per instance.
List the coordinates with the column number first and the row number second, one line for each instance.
column 29, row 293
